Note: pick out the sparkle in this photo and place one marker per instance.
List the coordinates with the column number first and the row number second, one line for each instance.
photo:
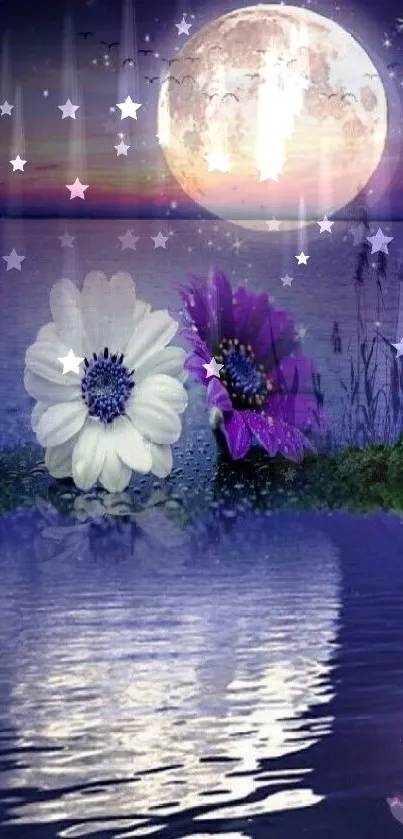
column 13, row 260
column 273, row 224
column 128, row 108
column 77, row 189
column 380, row 242
column 68, row 109
column 302, row 258
column 6, row 109
column 286, row 280
column 325, row 225
column 106, row 386
column 18, row 164
column 183, row 27
column 71, row 363
column 245, row 380
column 213, row 369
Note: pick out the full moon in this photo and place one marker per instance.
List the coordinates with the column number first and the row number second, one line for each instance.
column 272, row 108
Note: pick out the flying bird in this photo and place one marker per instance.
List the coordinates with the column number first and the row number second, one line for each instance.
column 192, row 58
column 348, row 94
column 189, row 77
column 229, row 94
column 393, row 65
column 85, row 34
column 112, row 44
column 253, row 75
column 371, row 75
column 128, row 60
column 210, row 96
column 171, row 79
column 145, row 52
column 215, row 47
column 151, row 79
column 170, row 61
column 329, row 95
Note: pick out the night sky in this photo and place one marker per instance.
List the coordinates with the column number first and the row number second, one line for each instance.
column 42, row 66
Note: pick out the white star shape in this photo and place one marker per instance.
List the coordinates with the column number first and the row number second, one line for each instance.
column 183, row 27
column 325, row 225
column 159, row 241
column 121, row 148
column 217, row 161
column 213, row 369
column 77, row 189
column 66, row 241
column 13, row 260
column 399, row 348
column 128, row 240
column 273, row 224
column 71, row 363
column 17, row 163
column 380, row 242
column 68, row 109
column 302, row 258
column 286, row 280
column 6, row 109
column 128, row 108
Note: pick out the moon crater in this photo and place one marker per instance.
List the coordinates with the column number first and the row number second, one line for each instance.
column 283, row 104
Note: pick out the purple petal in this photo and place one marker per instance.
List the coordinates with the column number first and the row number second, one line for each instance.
column 195, row 303
column 275, row 338
column 217, row 394
column 264, row 431
column 236, row 434
column 250, row 312
column 277, row 436
column 194, row 362
column 299, row 409
column 220, row 305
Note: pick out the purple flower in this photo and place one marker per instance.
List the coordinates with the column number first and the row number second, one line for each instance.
column 265, row 389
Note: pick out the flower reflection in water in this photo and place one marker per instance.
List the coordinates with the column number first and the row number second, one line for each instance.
column 157, row 694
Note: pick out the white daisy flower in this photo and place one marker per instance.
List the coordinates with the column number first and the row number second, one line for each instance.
column 121, row 412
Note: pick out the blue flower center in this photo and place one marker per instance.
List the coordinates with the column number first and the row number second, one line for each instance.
column 106, row 386
column 245, row 380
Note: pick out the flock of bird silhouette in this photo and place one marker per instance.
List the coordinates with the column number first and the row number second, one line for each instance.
column 192, row 59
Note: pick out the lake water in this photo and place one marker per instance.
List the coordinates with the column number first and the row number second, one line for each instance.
column 192, row 669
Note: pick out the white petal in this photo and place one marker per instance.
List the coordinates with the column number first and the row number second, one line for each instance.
column 65, row 305
column 122, row 309
column 89, row 455
column 95, row 309
column 48, row 333
column 140, row 311
column 169, row 360
column 131, row 446
column 60, row 422
column 58, row 459
column 37, row 412
column 43, row 359
column 49, row 392
column 108, row 309
column 165, row 388
column 153, row 418
column 115, row 475
column 161, row 460
column 152, row 333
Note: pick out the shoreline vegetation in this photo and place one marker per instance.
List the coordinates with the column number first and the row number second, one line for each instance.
column 354, row 479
